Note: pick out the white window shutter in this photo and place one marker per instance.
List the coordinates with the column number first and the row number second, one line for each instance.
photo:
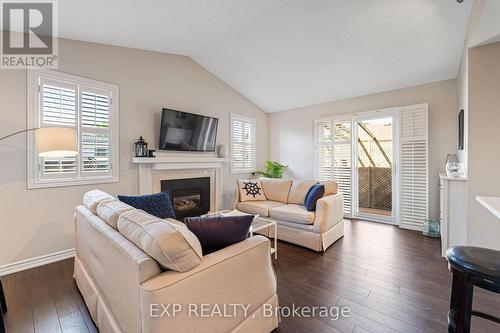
column 95, row 109
column 333, row 160
column 58, row 103
column 414, row 167
column 243, row 144
column 95, row 143
column 324, row 151
column 95, row 152
column 342, row 161
column 342, row 172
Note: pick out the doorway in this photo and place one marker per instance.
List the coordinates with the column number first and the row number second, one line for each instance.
column 379, row 160
column 374, row 147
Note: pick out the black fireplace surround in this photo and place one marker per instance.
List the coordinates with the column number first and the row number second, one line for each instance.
column 190, row 197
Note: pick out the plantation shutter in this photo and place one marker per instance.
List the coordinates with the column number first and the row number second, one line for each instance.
column 342, row 161
column 58, row 103
column 95, row 143
column 333, row 157
column 57, row 99
column 243, row 150
column 324, row 151
column 414, row 167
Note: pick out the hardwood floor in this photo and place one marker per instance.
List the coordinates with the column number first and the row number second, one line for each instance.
column 392, row 280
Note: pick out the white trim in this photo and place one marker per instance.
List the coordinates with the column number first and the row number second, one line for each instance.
column 411, row 226
column 36, row 262
column 32, row 169
column 155, row 160
column 490, row 203
column 393, row 113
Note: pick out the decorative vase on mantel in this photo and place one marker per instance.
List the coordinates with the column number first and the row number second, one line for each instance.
column 222, row 151
column 453, row 166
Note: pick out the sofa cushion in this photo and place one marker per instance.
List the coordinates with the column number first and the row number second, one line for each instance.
column 218, row 232
column 331, row 187
column 276, row 189
column 292, row 213
column 92, row 199
column 172, row 246
column 157, row 204
column 315, row 193
column 258, row 207
column 298, row 191
column 251, row 190
column 110, row 211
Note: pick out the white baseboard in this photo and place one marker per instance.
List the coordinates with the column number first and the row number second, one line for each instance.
column 36, row 262
column 411, row 227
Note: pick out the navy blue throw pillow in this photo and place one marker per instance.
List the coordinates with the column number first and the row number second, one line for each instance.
column 315, row 193
column 309, row 191
column 157, row 204
column 218, row 232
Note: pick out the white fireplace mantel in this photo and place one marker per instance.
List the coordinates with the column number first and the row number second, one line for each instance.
column 154, row 169
column 175, row 163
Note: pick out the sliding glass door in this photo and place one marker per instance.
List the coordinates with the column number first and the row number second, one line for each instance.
column 380, row 160
column 373, row 177
column 359, row 153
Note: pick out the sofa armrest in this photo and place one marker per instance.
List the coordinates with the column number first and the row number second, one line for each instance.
column 239, row 274
column 329, row 212
column 236, row 195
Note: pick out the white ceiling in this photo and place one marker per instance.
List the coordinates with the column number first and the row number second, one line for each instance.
column 283, row 54
column 488, row 27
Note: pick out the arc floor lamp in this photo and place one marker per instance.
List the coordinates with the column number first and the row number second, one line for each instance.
column 53, row 141
column 50, row 142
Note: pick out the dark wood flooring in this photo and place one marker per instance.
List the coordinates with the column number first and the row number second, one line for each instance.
column 393, row 280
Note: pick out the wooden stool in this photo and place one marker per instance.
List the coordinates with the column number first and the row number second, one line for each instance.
column 471, row 266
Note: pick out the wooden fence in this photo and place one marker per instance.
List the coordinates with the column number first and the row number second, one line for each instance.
column 375, row 188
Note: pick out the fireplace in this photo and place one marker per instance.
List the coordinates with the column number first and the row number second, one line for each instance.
column 190, row 197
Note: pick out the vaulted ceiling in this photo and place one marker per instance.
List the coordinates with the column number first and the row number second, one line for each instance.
column 284, row 54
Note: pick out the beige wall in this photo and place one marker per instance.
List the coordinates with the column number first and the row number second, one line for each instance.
column 291, row 132
column 484, row 143
column 39, row 222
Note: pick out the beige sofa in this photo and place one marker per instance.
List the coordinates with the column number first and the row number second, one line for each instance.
column 124, row 288
column 285, row 204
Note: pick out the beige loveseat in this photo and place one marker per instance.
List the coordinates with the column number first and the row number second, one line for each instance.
column 285, row 204
column 126, row 290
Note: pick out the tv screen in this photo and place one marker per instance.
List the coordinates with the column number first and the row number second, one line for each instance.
column 183, row 131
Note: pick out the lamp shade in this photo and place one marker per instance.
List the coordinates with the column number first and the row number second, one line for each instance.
column 56, row 142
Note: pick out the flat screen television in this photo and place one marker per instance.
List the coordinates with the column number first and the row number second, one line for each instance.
column 183, row 131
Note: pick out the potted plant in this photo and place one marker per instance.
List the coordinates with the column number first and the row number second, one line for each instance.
column 273, row 170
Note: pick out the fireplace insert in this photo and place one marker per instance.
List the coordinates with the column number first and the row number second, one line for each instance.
column 190, row 197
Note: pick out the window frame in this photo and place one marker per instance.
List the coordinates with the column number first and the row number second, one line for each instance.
column 237, row 117
column 35, row 179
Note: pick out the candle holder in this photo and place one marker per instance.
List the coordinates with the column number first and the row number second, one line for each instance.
column 141, row 148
